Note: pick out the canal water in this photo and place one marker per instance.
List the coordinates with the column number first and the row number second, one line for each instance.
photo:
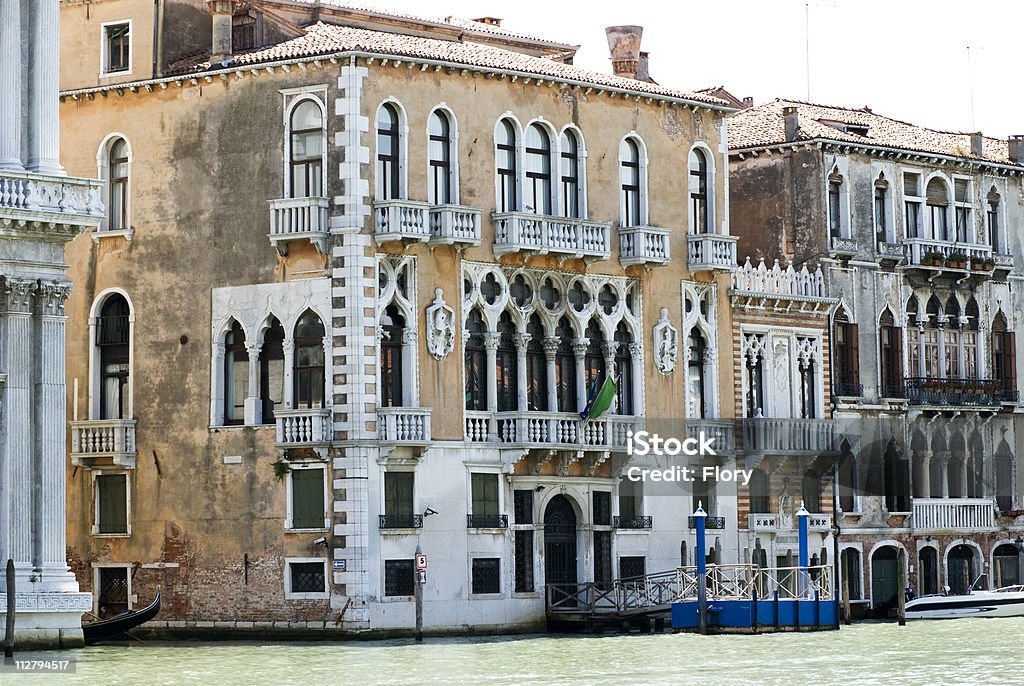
column 962, row 651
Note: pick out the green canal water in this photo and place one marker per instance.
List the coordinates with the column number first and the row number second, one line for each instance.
column 962, row 651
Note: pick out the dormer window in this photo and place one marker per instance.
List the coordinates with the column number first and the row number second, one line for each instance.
column 243, row 32
column 846, row 127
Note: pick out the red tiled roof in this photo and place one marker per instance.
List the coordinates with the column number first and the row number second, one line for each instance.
column 765, row 125
column 326, row 39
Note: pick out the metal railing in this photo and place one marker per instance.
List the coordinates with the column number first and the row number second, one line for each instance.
column 740, row 581
column 621, row 595
column 937, row 391
column 709, row 522
column 619, row 522
column 412, row 521
column 487, row 521
column 848, row 390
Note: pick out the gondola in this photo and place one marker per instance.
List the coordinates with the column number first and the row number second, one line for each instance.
column 114, row 626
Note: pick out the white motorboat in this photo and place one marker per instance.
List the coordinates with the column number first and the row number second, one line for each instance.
column 1003, row 602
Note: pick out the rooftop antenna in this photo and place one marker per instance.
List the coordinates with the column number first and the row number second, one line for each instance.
column 970, row 84
column 807, row 41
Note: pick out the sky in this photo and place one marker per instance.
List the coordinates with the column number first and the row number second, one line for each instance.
column 907, row 59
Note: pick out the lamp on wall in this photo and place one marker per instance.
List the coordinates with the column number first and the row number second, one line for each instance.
column 539, row 488
column 430, row 511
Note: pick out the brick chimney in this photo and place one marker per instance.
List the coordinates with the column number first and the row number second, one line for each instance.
column 643, row 67
column 977, row 144
column 789, row 113
column 624, row 44
column 222, row 11
column 748, row 102
column 490, row 21
column 1015, row 145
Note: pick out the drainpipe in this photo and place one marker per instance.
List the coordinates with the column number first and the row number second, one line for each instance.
column 156, row 37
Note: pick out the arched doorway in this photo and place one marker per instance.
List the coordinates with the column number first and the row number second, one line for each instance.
column 884, row 581
column 961, row 569
column 559, row 541
column 1006, row 565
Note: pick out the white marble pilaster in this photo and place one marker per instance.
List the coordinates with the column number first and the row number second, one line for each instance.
column 43, row 87
column 10, row 84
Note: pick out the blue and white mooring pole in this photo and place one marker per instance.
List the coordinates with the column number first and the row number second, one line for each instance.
column 699, row 515
column 803, row 516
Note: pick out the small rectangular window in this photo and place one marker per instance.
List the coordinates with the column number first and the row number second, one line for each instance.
column 487, row 575
column 632, row 567
column 112, row 504
column 629, row 499
column 399, row 578
column 308, row 511
column 112, row 594
column 307, row 577
column 485, row 494
column 116, row 48
column 398, row 500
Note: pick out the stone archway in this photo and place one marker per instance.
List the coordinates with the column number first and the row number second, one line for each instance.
column 560, row 553
column 961, row 569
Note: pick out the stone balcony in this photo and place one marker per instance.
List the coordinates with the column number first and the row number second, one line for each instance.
column 103, row 442
column 543, row 234
column 810, row 437
column 942, row 393
column 643, row 245
column 889, row 253
column 303, row 428
column 953, row 514
column 404, row 426
column 299, row 219
column 721, row 431
column 401, row 220
column 842, row 248
column 771, row 522
column 454, row 225
column 959, row 260
column 37, row 199
column 710, row 252
column 555, row 430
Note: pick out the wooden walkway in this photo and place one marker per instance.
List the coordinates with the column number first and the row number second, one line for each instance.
column 643, row 602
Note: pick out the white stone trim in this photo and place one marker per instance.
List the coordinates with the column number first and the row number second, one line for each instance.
column 293, row 97
column 581, row 155
column 96, row 567
column 103, row 73
column 353, row 203
column 288, row 595
column 289, row 502
column 103, row 173
column 712, row 196
column 520, row 134
column 94, row 353
column 453, row 162
column 643, row 200
column 403, row 150
column 96, row 474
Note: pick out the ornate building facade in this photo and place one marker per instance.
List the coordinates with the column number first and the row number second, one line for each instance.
column 41, row 208
column 917, row 233
column 412, row 250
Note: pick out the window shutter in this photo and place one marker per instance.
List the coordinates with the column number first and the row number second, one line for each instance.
column 897, row 356
column 485, row 494
column 113, row 506
column 936, row 193
column 1009, row 361
column 852, row 347
column 307, row 498
column 398, row 487
column 910, row 184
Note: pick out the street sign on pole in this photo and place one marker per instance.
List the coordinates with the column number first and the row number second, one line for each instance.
column 421, row 561
column 422, row 576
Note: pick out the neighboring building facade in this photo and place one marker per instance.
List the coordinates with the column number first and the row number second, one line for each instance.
column 466, row 234
column 41, row 208
column 918, row 233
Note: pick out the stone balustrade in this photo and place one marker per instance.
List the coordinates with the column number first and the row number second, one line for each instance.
column 401, row 220
column 643, row 245
column 299, row 219
column 552, row 429
column 30, row 197
column 543, row 234
column 454, row 225
column 953, row 514
column 101, row 440
column 404, row 425
column 710, row 251
column 303, row 427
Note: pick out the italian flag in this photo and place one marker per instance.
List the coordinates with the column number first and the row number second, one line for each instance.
column 600, row 399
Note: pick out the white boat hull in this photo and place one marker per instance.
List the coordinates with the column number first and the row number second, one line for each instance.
column 976, row 604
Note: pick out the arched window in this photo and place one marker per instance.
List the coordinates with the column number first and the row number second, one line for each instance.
column 117, row 185
column 441, row 154
column 847, row 480
column 928, row 576
column 1004, row 478
column 624, row 371
column 392, row 325
column 759, row 492
column 571, row 165
column 236, row 375
column 113, row 338
column 847, row 356
column 882, row 220
column 309, row 362
column 969, row 341
column 937, row 199
column 388, row 153
column 897, row 480
column 536, row 367
column 507, row 365
column 508, row 173
column 951, row 338
column 835, row 205
column 307, row 152
column 594, row 363
column 931, row 339
column 890, row 347
column 992, row 224
column 811, row 491
column 476, row 363
column 538, row 170
column 272, row 370
column 1004, row 366
column 700, row 221
column 695, row 350
column 629, row 177
column 565, row 368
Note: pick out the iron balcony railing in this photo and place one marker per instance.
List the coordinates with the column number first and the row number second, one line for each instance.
column 632, row 522
column 848, row 390
column 487, row 521
column 709, row 522
column 393, row 521
column 937, row 391
column 893, row 391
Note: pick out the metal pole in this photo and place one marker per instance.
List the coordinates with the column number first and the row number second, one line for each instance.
column 418, row 593
column 802, row 516
column 702, row 567
column 9, row 635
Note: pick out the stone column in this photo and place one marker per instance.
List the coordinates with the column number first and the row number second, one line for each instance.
column 491, row 351
column 636, row 352
column 522, row 340
column 579, row 349
column 926, row 482
column 410, row 380
column 253, row 409
column 550, row 352
column 289, row 372
column 11, row 39
column 944, row 463
column 44, row 86
column 328, row 371
column 220, row 388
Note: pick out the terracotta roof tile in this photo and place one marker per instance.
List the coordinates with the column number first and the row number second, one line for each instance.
column 326, row 39
column 765, row 125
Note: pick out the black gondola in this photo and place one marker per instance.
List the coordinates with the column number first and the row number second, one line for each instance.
column 115, row 626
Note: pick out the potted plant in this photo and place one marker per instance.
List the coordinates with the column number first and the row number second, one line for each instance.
column 932, row 259
column 956, row 260
column 982, row 264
